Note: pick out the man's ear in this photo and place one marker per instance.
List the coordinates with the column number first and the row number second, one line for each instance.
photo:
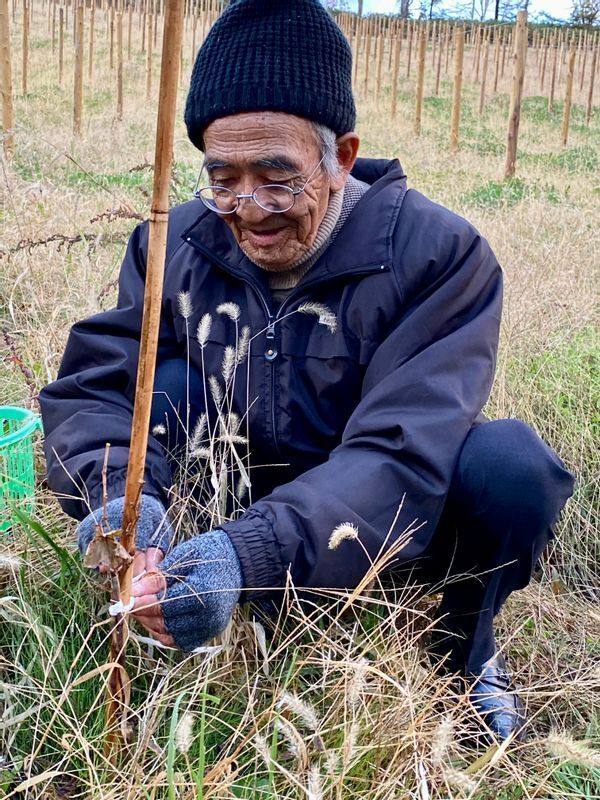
column 347, row 151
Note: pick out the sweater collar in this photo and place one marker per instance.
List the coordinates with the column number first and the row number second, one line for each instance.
column 367, row 234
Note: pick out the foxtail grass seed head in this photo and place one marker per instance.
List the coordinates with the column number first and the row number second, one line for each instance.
column 295, row 743
column 343, row 532
column 8, row 562
column 215, row 390
column 458, row 779
column 244, row 341
column 300, row 708
column 325, row 315
column 184, row 733
column 228, row 363
column 357, row 683
column 232, row 310
column 184, row 301
column 262, row 748
column 198, row 432
column 203, row 331
column 564, row 746
column 442, row 740
column 159, row 430
column 241, row 489
column 315, row 784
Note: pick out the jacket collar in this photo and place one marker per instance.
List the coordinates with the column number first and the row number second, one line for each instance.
column 365, row 238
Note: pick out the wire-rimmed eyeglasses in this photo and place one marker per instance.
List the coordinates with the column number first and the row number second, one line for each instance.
column 276, row 198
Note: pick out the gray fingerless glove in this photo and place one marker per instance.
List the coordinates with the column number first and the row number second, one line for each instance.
column 204, row 579
column 154, row 527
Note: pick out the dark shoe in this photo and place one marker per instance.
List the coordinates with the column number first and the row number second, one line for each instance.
column 495, row 700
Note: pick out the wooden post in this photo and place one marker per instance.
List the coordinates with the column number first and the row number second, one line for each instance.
column 396, row 68
column 583, row 65
column 356, row 56
column 6, row 87
column 119, row 65
column 543, row 69
column 25, row 46
column 61, row 44
column 149, row 49
column 439, row 65
column 568, row 94
column 553, row 76
column 519, row 56
column 380, row 41
column 590, row 98
column 78, row 76
column 410, row 43
column 449, row 39
column 91, row 43
column 459, row 49
column 118, row 683
column 53, row 26
column 420, row 78
column 129, row 28
column 497, row 38
column 111, row 36
column 504, row 49
column 367, row 59
column 486, row 56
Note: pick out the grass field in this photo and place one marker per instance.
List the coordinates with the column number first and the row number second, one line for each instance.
column 341, row 702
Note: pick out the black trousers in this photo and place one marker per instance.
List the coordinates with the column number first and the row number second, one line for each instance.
column 506, row 494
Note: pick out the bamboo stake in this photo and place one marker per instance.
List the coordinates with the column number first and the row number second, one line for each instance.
column 149, row 58
column 410, row 44
column 420, row 79
column 25, row 46
column 53, row 26
column 78, row 75
column 590, row 98
column 61, row 44
column 91, row 44
column 118, row 687
column 379, row 64
column 439, row 66
column 459, row 44
column 568, row 94
column 514, row 117
column 486, row 56
column 496, row 60
column 553, row 78
column 129, row 27
column 396, row 69
column 119, row 65
column 367, row 59
column 583, row 65
column 6, row 86
column 111, row 36
column 543, row 69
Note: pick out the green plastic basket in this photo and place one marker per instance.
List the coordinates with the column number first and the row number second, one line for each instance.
column 17, row 478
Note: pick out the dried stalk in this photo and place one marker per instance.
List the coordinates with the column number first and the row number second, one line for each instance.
column 118, row 729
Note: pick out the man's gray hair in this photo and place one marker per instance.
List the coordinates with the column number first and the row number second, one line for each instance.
column 326, row 140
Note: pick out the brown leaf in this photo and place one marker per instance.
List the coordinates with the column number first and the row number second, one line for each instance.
column 106, row 550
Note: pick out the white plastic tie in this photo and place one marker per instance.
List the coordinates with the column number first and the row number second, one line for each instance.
column 118, row 608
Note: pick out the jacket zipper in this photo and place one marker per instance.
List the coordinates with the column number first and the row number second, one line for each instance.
column 271, row 351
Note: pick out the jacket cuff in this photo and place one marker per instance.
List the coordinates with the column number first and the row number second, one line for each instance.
column 259, row 554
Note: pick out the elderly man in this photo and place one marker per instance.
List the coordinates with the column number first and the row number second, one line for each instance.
column 372, row 401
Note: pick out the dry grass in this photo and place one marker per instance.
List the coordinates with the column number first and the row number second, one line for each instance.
column 376, row 722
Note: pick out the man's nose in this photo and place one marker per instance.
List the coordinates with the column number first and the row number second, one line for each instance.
column 249, row 211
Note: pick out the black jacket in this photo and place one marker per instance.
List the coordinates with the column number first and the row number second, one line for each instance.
column 365, row 415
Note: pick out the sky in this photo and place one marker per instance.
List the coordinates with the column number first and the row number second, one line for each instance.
column 557, row 8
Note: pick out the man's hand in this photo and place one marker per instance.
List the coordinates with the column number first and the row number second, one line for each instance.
column 190, row 598
column 153, row 535
column 147, row 610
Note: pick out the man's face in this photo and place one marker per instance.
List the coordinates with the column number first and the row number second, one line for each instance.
column 247, row 150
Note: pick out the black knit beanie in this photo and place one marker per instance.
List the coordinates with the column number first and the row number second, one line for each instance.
column 272, row 55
